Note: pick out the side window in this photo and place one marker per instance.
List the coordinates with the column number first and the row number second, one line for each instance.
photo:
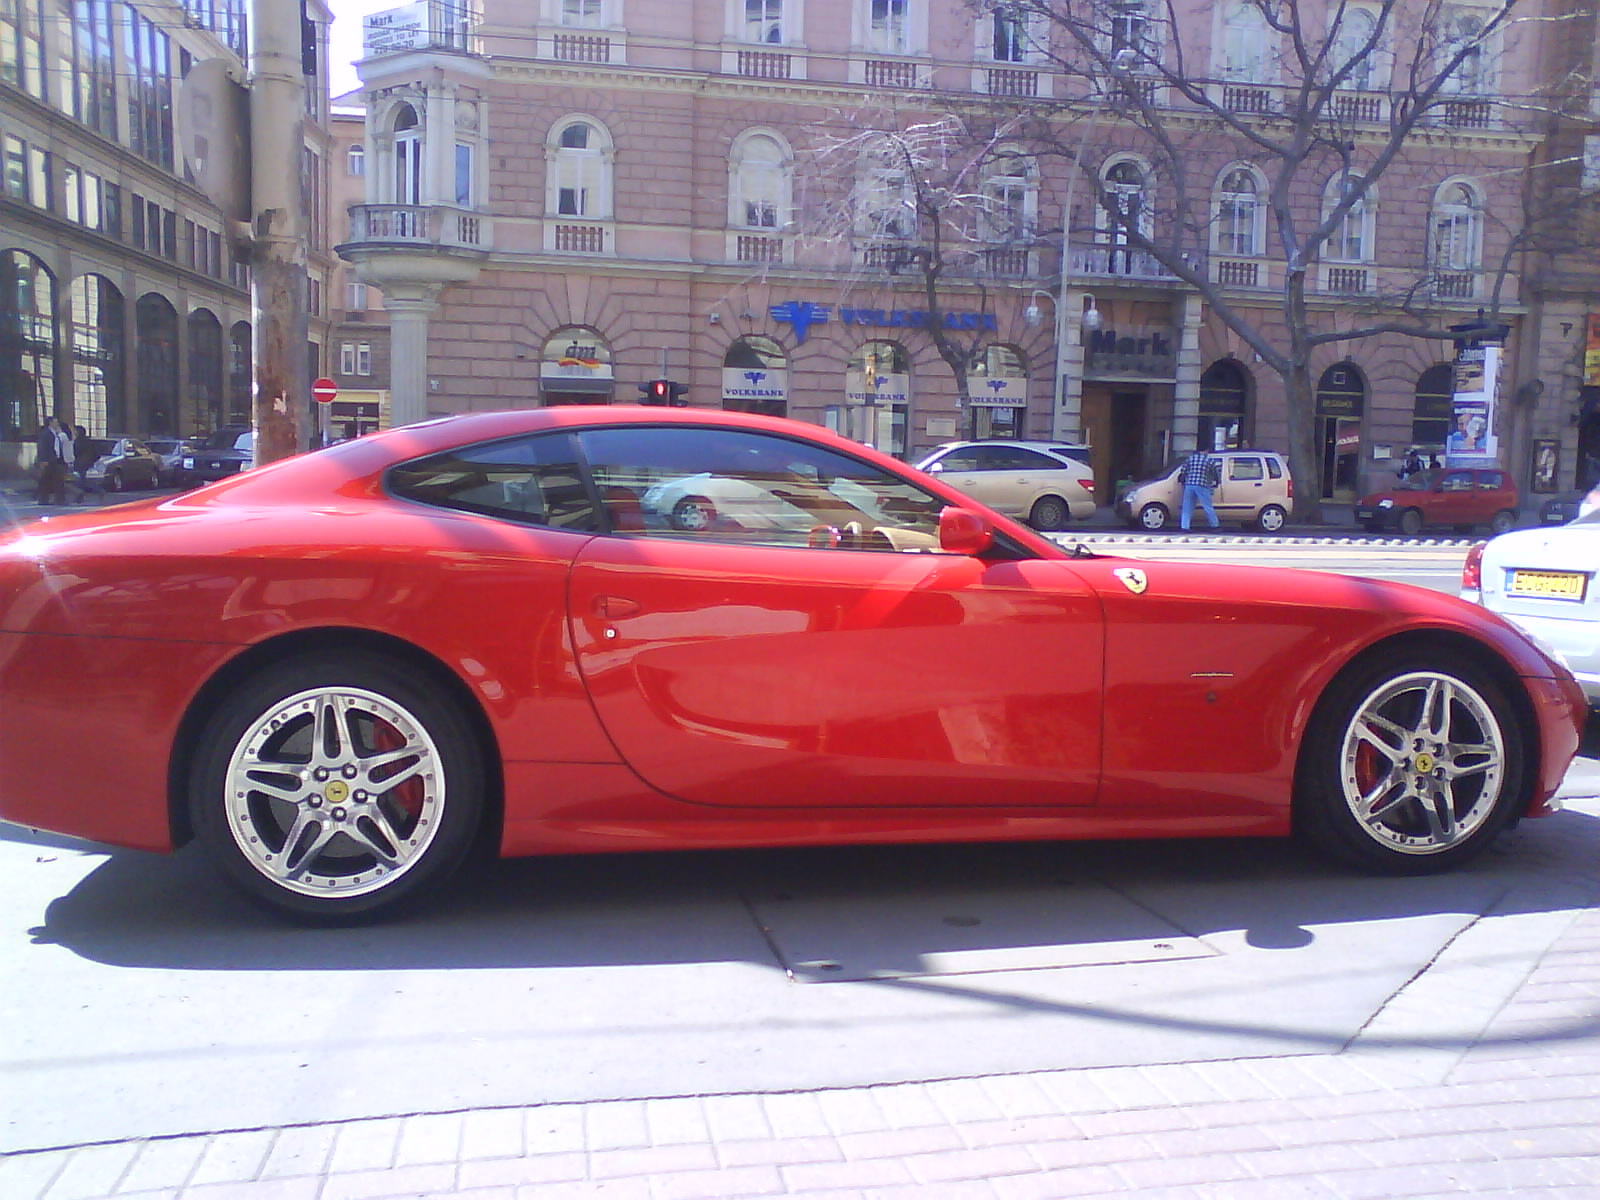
column 1275, row 468
column 1030, row 460
column 993, row 458
column 1457, row 481
column 532, row 480
column 960, row 460
column 1491, row 481
column 1245, row 468
column 756, row 489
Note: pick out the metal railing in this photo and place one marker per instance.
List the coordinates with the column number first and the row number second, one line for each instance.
column 419, row 224
column 1115, row 261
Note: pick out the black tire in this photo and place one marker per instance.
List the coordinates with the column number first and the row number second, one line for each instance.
column 1050, row 513
column 1411, row 522
column 341, row 853
column 1154, row 516
column 114, row 481
column 694, row 514
column 1272, row 519
column 1396, row 738
column 1502, row 522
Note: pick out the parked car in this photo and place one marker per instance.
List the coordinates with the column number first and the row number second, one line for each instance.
column 1046, row 484
column 121, row 464
column 355, row 666
column 1558, row 510
column 1460, row 497
column 1255, row 488
column 170, row 452
column 226, row 452
column 1544, row 581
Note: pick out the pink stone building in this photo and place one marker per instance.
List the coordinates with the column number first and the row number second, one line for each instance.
column 568, row 199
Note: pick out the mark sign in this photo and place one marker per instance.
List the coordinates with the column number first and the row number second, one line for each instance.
column 324, row 390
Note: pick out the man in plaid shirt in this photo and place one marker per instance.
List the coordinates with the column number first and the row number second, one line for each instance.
column 1198, row 479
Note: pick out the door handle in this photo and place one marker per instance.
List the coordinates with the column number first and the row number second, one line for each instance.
column 614, row 608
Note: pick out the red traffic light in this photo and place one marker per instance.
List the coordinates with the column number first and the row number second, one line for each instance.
column 664, row 391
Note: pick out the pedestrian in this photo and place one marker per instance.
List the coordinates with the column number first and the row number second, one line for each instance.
column 53, row 452
column 1200, row 474
column 83, row 458
column 1412, row 464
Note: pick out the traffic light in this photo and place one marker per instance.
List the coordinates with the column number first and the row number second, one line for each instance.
column 665, row 391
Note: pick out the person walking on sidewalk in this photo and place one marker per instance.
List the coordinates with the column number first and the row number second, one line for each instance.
column 1200, row 475
column 53, row 449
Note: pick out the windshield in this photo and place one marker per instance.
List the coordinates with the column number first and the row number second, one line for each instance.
column 1589, row 508
column 1422, row 481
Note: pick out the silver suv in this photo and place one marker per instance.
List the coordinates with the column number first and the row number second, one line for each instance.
column 1047, row 484
column 1255, row 489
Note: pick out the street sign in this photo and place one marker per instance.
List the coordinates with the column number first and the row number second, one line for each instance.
column 324, row 390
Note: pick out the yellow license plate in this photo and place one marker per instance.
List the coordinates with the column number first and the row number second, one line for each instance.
column 1556, row 585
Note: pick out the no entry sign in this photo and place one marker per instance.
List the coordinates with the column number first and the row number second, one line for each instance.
column 324, row 390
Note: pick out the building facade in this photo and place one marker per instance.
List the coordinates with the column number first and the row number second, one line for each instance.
column 568, row 200
column 124, row 293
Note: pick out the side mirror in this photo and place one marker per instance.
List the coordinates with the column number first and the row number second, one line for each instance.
column 962, row 531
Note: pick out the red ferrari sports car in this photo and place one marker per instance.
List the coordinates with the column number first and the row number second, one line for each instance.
column 344, row 672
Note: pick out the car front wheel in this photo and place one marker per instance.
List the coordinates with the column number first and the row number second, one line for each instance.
column 1049, row 513
column 1411, row 522
column 1410, row 767
column 1271, row 519
column 1154, row 516
column 337, row 788
column 693, row 514
column 114, row 481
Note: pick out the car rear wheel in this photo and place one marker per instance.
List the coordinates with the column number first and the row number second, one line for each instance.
column 1502, row 521
column 1411, row 522
column 114, row 481
column 1410, row 767
column 1050, row 513
column 1154, row 516
column 694, row 514
column 337, row 788
column 1271, row 519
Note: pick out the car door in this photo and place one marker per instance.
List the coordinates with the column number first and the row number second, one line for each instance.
column 1244, row 478
column 812, row 665
column 986, row 474
column 1452, row 501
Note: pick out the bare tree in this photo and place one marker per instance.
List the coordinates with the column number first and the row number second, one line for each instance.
column 940, row 200
column 1298, row 94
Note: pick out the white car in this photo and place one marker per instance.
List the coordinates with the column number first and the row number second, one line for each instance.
column 1547, row 582
column 707, row 503
column 1043, row 483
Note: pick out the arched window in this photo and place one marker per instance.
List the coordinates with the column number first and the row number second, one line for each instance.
column 1351, row 239
column 1244, row 45
column 1465, row 35
column 755, row 377
column 1126, row 210
column 1008, row 34
column 885, row 203
column 1457, row 229
column 760, row 182
column 27, row 345
column 1224, row 394
column 205, row 370
column 355, row 160
column 1351, row 53
column 575, row 367
column 1241, row 218
column 580, row 170
column 99, row 399
column 1010, row 198
column 157, row 361
column 407, row 155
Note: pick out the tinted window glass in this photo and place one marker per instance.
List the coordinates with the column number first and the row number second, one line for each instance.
column 958, row 460
column 757, row 489
column 533, row 479
column 1491, row 481
column 1030, row 460
column 1456, row 481
column 1274, row 468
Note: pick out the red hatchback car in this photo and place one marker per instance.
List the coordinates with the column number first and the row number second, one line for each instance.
column 342, row 673
column 1463, row 498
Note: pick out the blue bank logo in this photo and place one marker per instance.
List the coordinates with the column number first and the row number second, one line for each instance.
column 801, row 314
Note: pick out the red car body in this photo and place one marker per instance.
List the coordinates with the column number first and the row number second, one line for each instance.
column 659, row 693
column 1460, row 497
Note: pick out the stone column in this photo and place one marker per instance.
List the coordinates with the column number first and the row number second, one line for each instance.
column 409, row 306
column 1186, row 389
column 1069, row 362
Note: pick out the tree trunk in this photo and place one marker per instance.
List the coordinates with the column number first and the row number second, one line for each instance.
column 1305, row 457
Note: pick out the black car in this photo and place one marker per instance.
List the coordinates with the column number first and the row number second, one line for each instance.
column 1558, row 510
column 226, row 452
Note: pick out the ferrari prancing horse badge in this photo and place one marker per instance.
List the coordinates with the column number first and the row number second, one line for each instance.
column 1133, row 578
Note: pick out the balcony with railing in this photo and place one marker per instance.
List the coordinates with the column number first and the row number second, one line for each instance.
column 1249, row 99
column 1454, row 285
column 763, row 64
column 413, row 226
column 581, row 47
column 893, row 73
column 1465, row 114
column 569, row 235
column 1238, row 272
column 757, row 248
column 1010, row 81
column 1358, row 107
column 1116, row 262
column 1347, row 281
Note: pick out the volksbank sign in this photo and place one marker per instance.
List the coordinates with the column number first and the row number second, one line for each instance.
column 803, row 314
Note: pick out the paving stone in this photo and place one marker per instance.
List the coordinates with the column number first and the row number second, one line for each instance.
column 91, row 1172
column 432, row 1179
column 165, row 1163
column 365, row 1146
column 493, row 1133
column 234, row 1158
column 430, row 1138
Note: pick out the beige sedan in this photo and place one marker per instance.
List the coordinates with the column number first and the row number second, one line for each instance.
column 1045, row 488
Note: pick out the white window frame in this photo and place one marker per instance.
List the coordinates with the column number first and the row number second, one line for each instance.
column 760, row 174
column 586, row 170
column 885, row 203
column 1132, row 25
column 580, row 14
column 1024, row 47
column 347, row 358
column 1013, row 194
column 1360, row 221
column 355, row 161
column 1244, row 46
column 363, row 358
column 1479, row 74
column 907, row 36
column 1108, row 232
column 355, row 295
column 1236, row 233
column 1372, row 74
column 1455, row 226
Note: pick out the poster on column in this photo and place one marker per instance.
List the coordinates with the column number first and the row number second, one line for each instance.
column 1472, row 438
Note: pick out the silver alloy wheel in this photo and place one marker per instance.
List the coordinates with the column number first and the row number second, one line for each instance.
column 1422, row 765
column 693, row 514
column 1271, row 519
column 1153, row 516
column 334, row 791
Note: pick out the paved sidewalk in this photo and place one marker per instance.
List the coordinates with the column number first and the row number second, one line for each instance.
column 1404, row 1110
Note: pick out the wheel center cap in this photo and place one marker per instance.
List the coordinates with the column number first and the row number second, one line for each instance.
column 337, row 791
column 1424, row 762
